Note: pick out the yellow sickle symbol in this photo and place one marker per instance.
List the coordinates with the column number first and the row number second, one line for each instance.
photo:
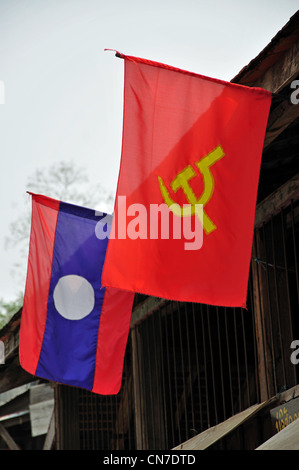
column 182, row 181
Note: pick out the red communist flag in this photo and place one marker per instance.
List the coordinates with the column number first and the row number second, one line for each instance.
column 189, row 143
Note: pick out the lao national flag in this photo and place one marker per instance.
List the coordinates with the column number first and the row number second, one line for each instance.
column 73, row 330
column 189, row 141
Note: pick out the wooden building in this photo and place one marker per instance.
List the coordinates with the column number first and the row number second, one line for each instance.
column 196, row 376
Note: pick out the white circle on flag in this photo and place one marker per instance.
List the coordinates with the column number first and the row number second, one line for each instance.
column 73, row 297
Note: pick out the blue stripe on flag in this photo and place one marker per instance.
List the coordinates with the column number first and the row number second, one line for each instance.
column 69, row 346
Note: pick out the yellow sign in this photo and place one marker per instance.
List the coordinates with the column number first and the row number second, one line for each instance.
column 285, row 414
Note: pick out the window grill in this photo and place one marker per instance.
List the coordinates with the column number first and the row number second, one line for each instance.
column 197, row 367
column 277, row 291
column 106, row 422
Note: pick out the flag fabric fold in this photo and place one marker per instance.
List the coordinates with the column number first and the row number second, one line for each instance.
column 188, row 141
column 73, row 330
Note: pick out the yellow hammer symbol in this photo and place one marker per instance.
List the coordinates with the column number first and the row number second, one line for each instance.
column 182, row 181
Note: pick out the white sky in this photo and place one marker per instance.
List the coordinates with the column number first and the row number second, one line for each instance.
column 64, row 94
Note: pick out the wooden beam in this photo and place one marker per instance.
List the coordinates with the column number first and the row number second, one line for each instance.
column 276, row 66
column 139, row 405
column 258, row 299
column 289, row 394
column 49, row 440
column 282, row 72
column 279, row 119
column 145, row 308
column 275, row 72
column 13, row 373
column 124, row 412
column 276, row 201
column 12, row 445
column 210, row 436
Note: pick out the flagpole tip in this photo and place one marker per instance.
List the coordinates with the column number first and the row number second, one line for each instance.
column 117, row 53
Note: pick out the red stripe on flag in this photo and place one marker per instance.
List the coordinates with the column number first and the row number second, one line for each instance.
column 112, row 340
column 34, row 313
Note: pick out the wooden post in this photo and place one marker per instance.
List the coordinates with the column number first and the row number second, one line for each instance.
column 49, row 440
column 12, row 445
column 259, row 327
column 140, row 428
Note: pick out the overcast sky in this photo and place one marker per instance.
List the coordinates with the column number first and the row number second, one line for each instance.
column 64, row 94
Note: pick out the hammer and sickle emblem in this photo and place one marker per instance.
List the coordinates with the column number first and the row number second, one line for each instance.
column 182, row 181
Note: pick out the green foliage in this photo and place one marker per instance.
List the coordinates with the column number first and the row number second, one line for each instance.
column 9, row 308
